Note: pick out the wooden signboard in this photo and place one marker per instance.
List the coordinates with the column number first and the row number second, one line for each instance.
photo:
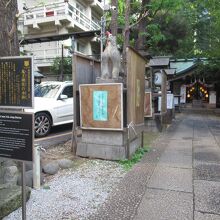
column 136, row 86
column 101, row 106
column 147, row 105
column 16, row 82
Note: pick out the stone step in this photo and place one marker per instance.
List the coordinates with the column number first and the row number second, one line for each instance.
column 11, row 198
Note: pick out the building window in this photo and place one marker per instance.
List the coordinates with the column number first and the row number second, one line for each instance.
column 80, row 47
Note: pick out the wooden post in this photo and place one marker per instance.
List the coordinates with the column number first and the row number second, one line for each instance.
column 23, row 183
column 74, row 135
column 142, row 139
column 128, row 144
column 36, row 167
column 62, row 57
column 163, row 94
column 163, row 97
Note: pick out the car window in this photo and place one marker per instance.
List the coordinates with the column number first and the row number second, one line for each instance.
column 68, row 90
column 46, row 90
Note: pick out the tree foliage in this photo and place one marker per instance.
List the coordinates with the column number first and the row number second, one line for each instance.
column 67, row 65
column 179, row 28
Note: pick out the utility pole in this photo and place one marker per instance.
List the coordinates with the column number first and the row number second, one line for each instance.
column 61, row 66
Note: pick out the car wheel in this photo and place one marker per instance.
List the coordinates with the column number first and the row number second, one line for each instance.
column 42, row 124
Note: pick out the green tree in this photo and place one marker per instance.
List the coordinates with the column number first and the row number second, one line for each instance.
column 158, row 27
column 180, row 28
column 208, row 28
column 67, row 65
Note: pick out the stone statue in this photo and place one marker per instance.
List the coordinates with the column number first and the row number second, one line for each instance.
column 110, row 58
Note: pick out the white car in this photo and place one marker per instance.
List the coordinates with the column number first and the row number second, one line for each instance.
column 53, row 105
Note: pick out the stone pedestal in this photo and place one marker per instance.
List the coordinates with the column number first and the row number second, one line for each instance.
column 100, row 80
column 110, row 145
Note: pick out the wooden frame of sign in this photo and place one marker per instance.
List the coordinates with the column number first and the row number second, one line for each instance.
column 101, row 106
column 148, row 105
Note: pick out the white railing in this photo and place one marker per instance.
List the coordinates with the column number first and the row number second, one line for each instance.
column 47, row 56
column 82, row 19
column 57, row 10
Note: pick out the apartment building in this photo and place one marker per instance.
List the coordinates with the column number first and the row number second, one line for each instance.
column 56, row 17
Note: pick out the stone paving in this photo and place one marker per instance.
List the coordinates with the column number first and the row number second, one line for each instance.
column 178, row 180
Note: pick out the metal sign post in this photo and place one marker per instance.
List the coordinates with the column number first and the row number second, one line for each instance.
column 23, row 192
column 16, row 131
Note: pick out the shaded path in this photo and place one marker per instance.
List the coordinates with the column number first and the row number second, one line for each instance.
column 178, row 179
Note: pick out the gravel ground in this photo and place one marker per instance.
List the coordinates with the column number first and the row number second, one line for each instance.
column 74, row 193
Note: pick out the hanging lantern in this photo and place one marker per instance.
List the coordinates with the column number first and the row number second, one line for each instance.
column 207, row 95
column 188, row 95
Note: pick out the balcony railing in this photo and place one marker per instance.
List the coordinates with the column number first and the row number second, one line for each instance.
column 59, row 11
column 45, row 57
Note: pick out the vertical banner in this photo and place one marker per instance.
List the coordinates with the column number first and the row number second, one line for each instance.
column 170, row 101
column 159, row 104
column 183, row 94
column 176, row 101
column 100, row 105
column 212, row 97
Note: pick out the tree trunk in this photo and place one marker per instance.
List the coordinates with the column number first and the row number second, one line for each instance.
column 114, row 18
column 142, row 27
column 9, row 45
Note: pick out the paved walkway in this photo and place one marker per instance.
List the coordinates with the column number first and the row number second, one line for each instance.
column 178, row 180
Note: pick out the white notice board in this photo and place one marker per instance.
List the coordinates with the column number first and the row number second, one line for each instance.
column 170, row 102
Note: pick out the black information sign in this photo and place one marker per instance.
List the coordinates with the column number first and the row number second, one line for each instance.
column 16, row 82
column 16, row 135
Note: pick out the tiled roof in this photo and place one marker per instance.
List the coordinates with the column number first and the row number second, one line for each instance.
column 182, row 66
column 159, row 61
